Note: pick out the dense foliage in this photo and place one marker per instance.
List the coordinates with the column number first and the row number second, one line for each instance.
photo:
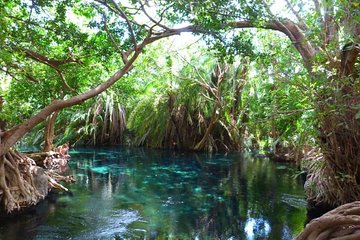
column 169, row 103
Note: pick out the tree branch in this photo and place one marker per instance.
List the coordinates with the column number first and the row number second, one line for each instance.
column 131, row 30
column 15, row 66
column 317, row 7
column 117, row 47
column 8, row 73
column 157, row 23
column 289, row 28
column 124, row 55
column 292, row 31
column 53, row 63
column 64, row 82
column 330, row 27
column 121, row 13
column 302, row 24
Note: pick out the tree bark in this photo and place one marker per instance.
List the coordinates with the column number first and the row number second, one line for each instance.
column 49, row 132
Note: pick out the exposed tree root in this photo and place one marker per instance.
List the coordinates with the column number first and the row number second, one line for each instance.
column 17, row 182
column 342, row 223
column 23, row 183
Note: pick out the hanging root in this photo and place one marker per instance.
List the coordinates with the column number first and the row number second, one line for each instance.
column 342, row 223
column 23, row 184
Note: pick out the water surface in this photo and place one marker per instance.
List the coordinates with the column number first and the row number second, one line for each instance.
column 148, row 194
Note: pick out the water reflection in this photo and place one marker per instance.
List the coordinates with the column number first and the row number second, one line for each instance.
column 143, row 194
column 256, row 228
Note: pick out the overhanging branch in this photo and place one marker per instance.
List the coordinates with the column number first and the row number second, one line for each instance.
column 289, row 28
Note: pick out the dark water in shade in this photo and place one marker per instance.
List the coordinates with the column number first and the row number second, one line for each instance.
column 147, row 194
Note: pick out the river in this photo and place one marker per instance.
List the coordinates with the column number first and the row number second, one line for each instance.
column 125, row 193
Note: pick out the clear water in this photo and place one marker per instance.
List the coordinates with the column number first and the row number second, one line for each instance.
column 147, row 194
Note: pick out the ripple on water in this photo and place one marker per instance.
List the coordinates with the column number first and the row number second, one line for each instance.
column 113, row 226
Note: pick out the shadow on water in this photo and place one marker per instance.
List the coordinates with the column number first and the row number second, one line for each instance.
column 147, row 194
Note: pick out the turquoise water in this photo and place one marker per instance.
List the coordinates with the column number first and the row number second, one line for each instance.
column 148, row 194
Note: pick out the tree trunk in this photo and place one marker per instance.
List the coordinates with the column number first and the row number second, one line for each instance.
column 49, row 132
column 214, row 119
